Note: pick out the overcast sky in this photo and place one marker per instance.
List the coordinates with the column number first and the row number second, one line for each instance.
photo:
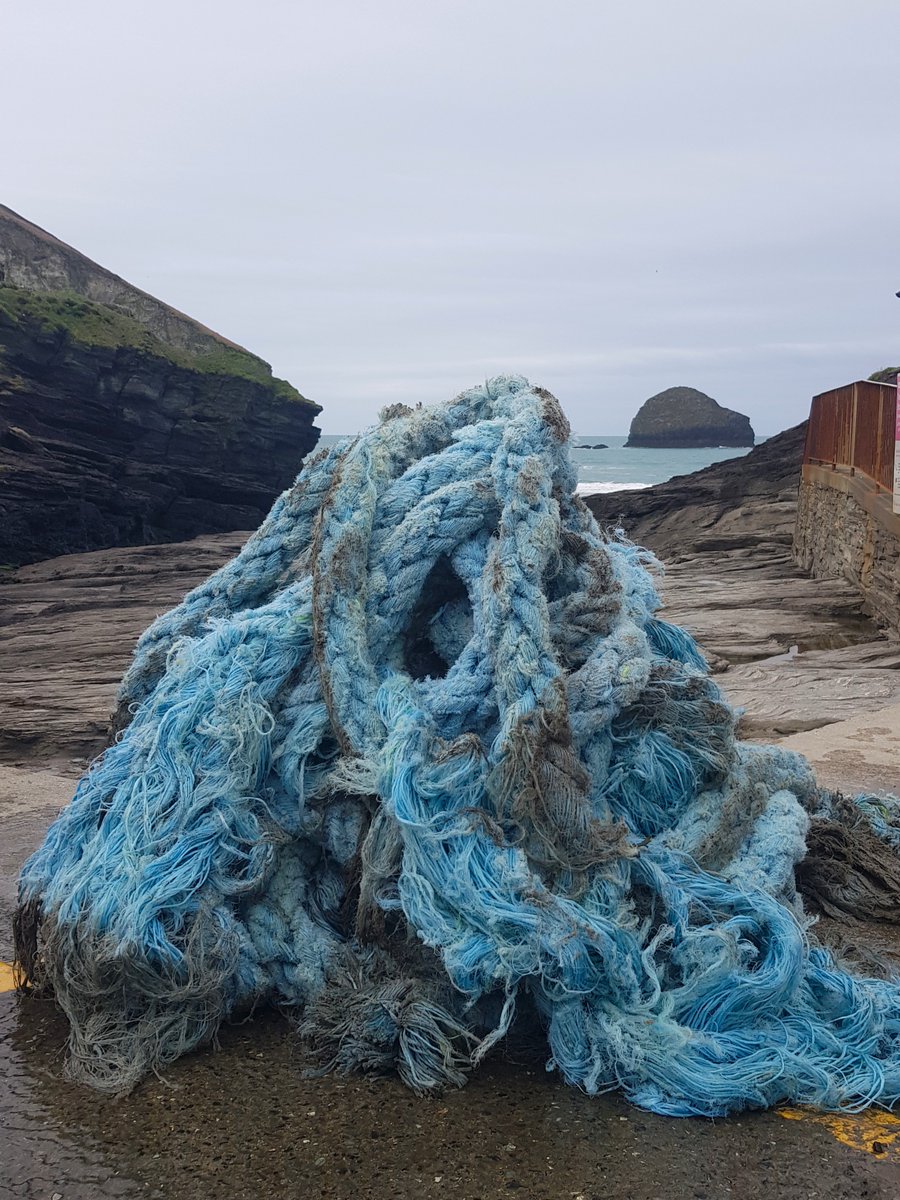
column 391, row 199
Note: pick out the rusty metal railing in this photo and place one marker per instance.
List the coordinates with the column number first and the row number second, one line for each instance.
column 853, row 427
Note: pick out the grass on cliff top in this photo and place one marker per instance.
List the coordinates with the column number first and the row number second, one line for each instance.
column 98, row 325
column 885, row 375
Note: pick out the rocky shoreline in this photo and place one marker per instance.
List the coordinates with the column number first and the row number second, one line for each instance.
column 724, row 535
column 68, row 624
column 67, row 629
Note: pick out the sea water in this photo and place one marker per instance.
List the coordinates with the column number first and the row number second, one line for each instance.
column 618, row 468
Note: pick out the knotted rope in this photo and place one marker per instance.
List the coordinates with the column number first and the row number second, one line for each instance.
column 424, row 752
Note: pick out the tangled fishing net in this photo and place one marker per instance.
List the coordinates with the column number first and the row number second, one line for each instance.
column 423, row 753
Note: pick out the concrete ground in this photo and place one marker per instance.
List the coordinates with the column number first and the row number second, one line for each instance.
column 244, row 1121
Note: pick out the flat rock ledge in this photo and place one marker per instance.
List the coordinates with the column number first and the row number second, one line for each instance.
column 68, row 627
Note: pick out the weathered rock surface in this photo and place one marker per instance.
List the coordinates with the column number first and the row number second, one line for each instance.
column 683, row 418
column 858, row 755
column 732, row 505
column 67, row 630
column 104, row 446
column 124, row 422
column 748, row 608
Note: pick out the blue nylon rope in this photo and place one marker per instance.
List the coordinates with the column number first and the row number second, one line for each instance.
column 560, row 815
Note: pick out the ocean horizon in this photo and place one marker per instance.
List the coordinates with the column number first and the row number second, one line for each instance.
column 619, row 468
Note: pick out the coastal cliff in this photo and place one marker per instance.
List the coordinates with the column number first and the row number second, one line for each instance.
column 127, row 423
column 36, row 261
column 682, row 418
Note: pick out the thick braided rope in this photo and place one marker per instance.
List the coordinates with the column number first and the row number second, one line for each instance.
column 554, row 814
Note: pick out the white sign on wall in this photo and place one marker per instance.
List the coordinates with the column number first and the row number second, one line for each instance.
column 897, row 452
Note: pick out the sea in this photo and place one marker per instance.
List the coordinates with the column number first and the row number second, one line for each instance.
column 617, row 469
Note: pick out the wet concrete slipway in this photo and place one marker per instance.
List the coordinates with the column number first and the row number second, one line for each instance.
column 242, row 1120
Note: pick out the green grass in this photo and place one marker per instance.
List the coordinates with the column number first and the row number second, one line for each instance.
column 97, row 325
column 885, row 375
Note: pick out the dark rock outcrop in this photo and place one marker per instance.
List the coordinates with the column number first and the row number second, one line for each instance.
column 115, row 431
column 731, row 505
column 116, row 446
column 682, row 418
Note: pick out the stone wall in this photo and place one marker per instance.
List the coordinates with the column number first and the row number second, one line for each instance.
column 847, row 529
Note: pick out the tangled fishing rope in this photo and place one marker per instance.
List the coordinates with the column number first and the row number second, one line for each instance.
column 423, row 752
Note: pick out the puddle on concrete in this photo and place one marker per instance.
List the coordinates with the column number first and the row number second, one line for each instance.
column 244, row 1122
column 40, row 1155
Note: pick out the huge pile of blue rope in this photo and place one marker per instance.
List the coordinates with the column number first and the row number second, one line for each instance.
column 423, row 753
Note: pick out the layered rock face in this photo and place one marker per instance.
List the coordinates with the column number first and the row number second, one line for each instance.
column 681, row 418
column 112, row 434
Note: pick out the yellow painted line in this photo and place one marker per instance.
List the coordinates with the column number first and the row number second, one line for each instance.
column 7, row 977
column 874, row 1131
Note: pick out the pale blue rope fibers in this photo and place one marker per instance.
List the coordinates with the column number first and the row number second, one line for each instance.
column 552, row 812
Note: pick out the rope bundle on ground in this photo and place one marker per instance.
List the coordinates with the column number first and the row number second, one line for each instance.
column 423, row 753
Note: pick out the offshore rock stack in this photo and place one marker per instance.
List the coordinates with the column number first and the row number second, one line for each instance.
column 681, row 418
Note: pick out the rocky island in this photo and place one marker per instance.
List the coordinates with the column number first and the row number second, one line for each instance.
column 122, row 421
column 682, row 418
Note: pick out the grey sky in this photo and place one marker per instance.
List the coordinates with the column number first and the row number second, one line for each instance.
column 392, row 199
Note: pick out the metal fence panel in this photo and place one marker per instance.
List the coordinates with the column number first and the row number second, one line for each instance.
column 853, row 427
